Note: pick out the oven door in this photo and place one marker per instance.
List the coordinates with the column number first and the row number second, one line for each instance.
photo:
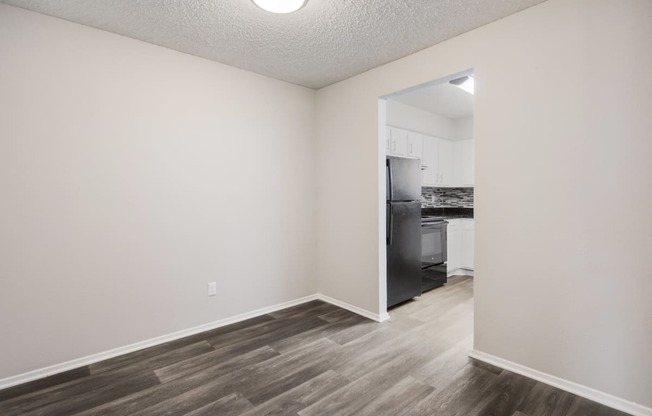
column 433, row 244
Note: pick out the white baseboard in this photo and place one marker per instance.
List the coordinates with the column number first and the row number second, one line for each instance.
column 94, row 358
column 461, row 272
column 569, row 386
column 363, row 312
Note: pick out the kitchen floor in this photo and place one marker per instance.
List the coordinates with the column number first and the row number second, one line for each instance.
column 312, row 359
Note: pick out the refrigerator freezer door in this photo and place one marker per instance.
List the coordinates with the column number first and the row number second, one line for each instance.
column 403, row 251
column 403, row 179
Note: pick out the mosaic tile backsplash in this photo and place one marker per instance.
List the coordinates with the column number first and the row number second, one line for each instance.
column 446, row 197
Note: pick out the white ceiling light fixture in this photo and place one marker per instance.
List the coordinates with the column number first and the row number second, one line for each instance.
column 465, row 83
column 280, row 6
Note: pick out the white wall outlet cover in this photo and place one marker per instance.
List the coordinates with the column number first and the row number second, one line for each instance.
column 212, row 289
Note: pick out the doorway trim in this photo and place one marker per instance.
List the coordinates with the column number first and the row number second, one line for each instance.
column 382, row 191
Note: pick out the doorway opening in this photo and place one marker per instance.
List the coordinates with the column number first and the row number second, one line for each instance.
column 427, row 183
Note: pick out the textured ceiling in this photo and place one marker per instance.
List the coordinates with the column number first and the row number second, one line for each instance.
column 324, row 42
column 444, row 99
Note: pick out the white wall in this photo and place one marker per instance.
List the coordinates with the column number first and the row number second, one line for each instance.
column 416, row 119
column 130, row 176
column 563, row 179
column 412, row 118
column 463, row 128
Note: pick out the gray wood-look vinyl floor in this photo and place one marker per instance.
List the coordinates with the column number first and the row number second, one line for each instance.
column 312, row 359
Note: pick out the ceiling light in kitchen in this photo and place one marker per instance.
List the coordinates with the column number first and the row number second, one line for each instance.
column 280, row 6
column 465, row 83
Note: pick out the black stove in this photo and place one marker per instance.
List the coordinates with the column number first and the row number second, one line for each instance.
column 433, row 252
column 432, row 219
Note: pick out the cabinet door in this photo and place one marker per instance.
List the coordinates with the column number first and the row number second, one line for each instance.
column 429, row 161
column 415, row 145
column 468, row 233
column 388, row 141
column 454, row 245
column 464, row 162
column 445, row 163
column 399, row 142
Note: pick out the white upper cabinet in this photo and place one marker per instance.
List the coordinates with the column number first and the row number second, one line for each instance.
column 464, row 162
column 398, row 141
column 429, row 161
column 437, row 162
column 415, row 145
column 388, row 141
column 444, row 163
column 404, row 143
column 446, row 171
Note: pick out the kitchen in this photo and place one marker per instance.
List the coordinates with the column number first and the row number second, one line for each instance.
column 430, row 183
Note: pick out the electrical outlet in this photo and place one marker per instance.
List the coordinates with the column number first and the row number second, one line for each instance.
column 212, row 289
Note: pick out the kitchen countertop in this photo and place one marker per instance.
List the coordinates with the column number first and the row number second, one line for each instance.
column 447, row 212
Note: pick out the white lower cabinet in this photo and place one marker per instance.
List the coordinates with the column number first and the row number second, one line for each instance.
column 460, row 240
column 468, row 238
column 454, row 245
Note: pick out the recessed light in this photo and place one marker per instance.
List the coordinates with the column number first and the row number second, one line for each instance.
column 465, row 83
column 280, row 6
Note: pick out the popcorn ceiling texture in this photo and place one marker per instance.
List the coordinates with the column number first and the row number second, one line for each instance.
column 324, row 42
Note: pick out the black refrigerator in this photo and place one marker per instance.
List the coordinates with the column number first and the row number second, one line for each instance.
column 403, row 178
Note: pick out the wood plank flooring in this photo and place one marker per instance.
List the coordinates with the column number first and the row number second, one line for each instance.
column 312, row 359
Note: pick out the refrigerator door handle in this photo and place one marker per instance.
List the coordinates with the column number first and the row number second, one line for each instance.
column 390, row 195
column 390, row 223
